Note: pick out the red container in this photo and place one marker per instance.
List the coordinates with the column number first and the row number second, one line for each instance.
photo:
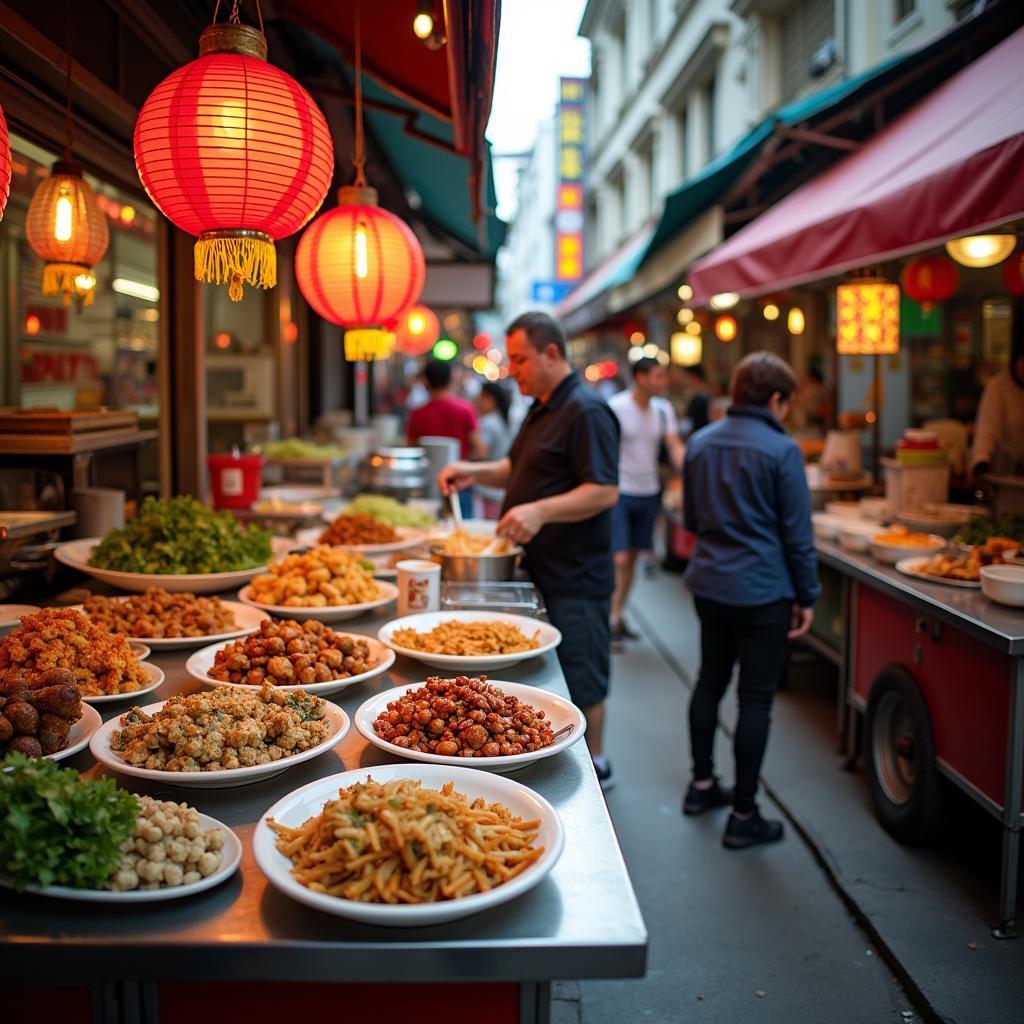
column 235, row 479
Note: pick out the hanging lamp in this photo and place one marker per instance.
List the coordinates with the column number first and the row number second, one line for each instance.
column 233, row 150
column 929, row 279
column 417, row 331
column 360, row 266
column 5, row 164
column 65, row 225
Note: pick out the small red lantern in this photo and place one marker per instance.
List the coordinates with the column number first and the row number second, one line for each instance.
column 726, row 328
column 1013, row 273
column 929, row 280
column 417, row 331
column 232, row 149
column 359, row 265
column 5, row 164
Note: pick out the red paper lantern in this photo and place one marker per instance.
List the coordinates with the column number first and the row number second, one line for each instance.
column 1013, row 273
column 359, row 265
column 417, row 331
column 232, row 149
column 5, row 164
column 929, row 280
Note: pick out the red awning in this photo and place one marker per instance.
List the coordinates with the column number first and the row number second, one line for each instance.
column 952, row 165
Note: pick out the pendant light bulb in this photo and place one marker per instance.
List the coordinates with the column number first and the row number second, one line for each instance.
column 423, row 24
column 62, row 220
column 362, row 258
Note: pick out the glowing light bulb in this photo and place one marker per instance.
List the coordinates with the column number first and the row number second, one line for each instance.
column 423, row 25
column 771, row 311
column 63, row 220
column 417, row 322
column 362, row 257
column 796, row 322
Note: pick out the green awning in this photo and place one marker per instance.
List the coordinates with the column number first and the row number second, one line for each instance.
column 715, row 180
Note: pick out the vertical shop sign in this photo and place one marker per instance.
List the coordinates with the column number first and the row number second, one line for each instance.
column 572, row 94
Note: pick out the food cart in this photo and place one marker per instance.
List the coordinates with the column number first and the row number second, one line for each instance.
column 937, row 675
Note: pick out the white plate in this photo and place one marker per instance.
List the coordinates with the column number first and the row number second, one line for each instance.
column 409, row 537
column 199, row 665
column 10, row 615
column 99, row 744
column 230, row 858
column 424, row 622
column 308, row 801
column 140, row 650
column 80, row 734
column 75, row 553
column 332, row 613
column 557, row 710
column 247, row 619
column 906, row 566
column 156, row 677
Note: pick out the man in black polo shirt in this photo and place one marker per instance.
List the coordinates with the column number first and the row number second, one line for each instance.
column 561, row 482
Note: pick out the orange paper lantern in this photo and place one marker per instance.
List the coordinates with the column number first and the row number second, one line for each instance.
column 929, row 280
column 417, row 331
column 5, row 164
column 359, row 265
column 232, row 149
column 1013, row 273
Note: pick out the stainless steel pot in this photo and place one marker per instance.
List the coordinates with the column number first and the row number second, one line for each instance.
column 397, row 472
column 478, row 568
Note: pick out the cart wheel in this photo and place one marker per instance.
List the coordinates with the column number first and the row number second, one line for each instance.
column 901, row 757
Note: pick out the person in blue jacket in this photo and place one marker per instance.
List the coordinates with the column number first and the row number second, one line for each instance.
column 754, row 578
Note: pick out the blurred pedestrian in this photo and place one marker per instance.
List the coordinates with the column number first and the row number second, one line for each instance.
column 753, row 575
column 561, row 483
column 700, row 398
column 646, row 422
column 445, row 415
column 493, row 404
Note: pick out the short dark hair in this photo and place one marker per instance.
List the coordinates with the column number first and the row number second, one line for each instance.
column 500, row 396
column 438, row 374
column 759, row 376
column 644, row 365
column 540, row 329
column 697, row 370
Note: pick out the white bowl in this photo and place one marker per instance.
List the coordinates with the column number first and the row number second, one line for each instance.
column 332, row 613
column 557, row 710
column 75, row 553
column 424, row 622
column 199, row 664
column 308, row 801
column 247, row 620
column 10, row 616
column 856, row 535
column 943, row 524
column 99, row 745
column 890, row 554
column 874, row 508
column 1003, row 584
column 230, row 858
column 827, row 525
column 846, row 509
column 156, row 677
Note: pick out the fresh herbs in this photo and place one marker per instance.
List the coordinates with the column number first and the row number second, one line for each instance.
column 980, row 529
column 178, row 536
column 59, row 829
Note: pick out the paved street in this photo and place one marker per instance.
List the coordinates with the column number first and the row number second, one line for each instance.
column 772, row 934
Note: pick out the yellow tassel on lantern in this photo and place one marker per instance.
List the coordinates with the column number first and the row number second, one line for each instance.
column 368, row 344
column 70, row 281
column 235, row 258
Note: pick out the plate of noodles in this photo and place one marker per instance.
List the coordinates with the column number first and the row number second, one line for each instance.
column 462, row 640
column 480, row 840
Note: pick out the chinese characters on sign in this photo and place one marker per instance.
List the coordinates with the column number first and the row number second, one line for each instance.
column 569, row 207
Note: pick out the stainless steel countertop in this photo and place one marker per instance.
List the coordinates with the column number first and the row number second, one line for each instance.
column 998, row 625
column 582, row 921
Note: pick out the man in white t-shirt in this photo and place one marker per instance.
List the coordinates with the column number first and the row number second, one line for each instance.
column 646, row 421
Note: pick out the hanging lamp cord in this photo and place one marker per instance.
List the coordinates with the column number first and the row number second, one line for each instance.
column 359, row 159
column 69, row 124
column 234, row 18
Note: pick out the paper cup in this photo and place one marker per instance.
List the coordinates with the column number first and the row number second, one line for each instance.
column 419, row 586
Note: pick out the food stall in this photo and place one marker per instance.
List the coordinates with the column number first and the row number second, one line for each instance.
column 242, row 947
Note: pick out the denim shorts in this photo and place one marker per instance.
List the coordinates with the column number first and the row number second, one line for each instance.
column 585, row 650
column 633, row 521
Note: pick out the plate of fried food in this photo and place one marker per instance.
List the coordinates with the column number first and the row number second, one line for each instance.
column 356, row 531
column 426, row 843
column 461, row 640
column 42, row 714
column 101, row 664
column 497, row 726
column 327, row 583
column 951, row 570
column 292, row 656
column 220, row 738
column 168, row 621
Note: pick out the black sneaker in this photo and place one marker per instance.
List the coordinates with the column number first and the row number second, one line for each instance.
column 697, row 801
column 605, row 774
column 740, row 833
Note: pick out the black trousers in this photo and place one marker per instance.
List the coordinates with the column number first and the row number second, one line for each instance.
column 757, row 637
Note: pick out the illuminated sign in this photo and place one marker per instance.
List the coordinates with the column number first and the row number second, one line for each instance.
column 572, row 95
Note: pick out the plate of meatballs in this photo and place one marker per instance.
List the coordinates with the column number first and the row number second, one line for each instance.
column 42, row 715
column 292, row 656
column 498, row 726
